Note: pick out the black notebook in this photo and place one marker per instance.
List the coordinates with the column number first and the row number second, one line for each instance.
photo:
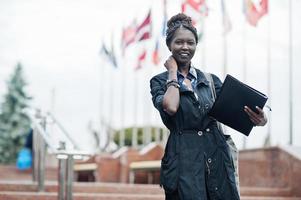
column 228, row 107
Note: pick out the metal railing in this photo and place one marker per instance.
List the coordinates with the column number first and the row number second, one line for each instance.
column 63, row 130
column 42, row 141
column 66, row 161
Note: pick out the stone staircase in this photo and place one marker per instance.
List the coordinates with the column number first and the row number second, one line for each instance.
column 277, row 177
column 26, row 190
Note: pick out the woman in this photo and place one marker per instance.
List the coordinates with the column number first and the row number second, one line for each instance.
column 197, row 164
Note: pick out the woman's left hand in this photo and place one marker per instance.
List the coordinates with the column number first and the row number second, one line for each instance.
column 259, row 119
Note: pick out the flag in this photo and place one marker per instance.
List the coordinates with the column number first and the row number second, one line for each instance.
column 254, row 12
column 164, row 23
column 128, row 36
column 113, row 56
column 196, row 9
column 136, row 33
column 264, row 4
column 197, row 5
column 143, row 31
column 227, row 26
column 156, row 57
column 109, row 55
column 141, row 59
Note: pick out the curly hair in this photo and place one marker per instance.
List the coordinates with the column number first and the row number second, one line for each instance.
column 177, row 21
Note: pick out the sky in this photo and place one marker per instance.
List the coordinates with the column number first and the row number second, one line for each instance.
column 58, row 43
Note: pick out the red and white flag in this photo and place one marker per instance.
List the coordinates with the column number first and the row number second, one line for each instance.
column 254, row 12
column 196, row 9
column 156, row 56
column 128, row 36
column 143, row 31
column 141, row 59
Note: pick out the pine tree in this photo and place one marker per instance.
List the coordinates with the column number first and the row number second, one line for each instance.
column 14, row 123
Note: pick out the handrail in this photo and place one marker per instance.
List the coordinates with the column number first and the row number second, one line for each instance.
column 43, row 133
column 41, row 139
column 65, row 179
column 63, row 130
column 80, row 154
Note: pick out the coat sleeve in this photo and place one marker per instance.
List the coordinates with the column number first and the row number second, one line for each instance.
column 217, row 84
column 158, row 90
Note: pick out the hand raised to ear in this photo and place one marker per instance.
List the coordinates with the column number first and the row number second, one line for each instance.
column 259, row 119
column 171, row 64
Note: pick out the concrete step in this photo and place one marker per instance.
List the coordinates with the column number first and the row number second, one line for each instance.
column 269, row 198
column 260, row 191
column 10, row 172
column 77, row 196
column 96, row 187
column 120, row 188
column 101, row 196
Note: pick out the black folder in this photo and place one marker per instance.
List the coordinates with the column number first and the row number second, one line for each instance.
column 228, row 107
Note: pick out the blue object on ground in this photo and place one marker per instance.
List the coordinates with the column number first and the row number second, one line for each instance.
column 24, row 159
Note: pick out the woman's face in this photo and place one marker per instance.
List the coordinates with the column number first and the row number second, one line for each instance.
column 183, row 45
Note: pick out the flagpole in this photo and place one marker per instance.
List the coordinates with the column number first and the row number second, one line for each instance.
column 111, row 107
column 225, row 23
column 244, row 60
column 103, row 71
column 204, row 46
column 290, row 79
column 135, row 128
column 111, row 91
column 52, row 106
column 122, row 107
column 122, row 79
column 101, row 101
column 147, row 115
column 136, row 102
column 143, row 125
column 225, row 31
column 269, row 71
column 105, row 118
column 225, row 44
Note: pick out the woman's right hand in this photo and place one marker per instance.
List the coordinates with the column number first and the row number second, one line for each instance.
column 171, row 64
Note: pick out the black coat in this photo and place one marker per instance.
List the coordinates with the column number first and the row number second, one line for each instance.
column 196, row 164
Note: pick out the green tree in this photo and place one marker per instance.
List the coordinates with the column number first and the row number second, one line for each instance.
column 14, row 123
column 129, row 132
